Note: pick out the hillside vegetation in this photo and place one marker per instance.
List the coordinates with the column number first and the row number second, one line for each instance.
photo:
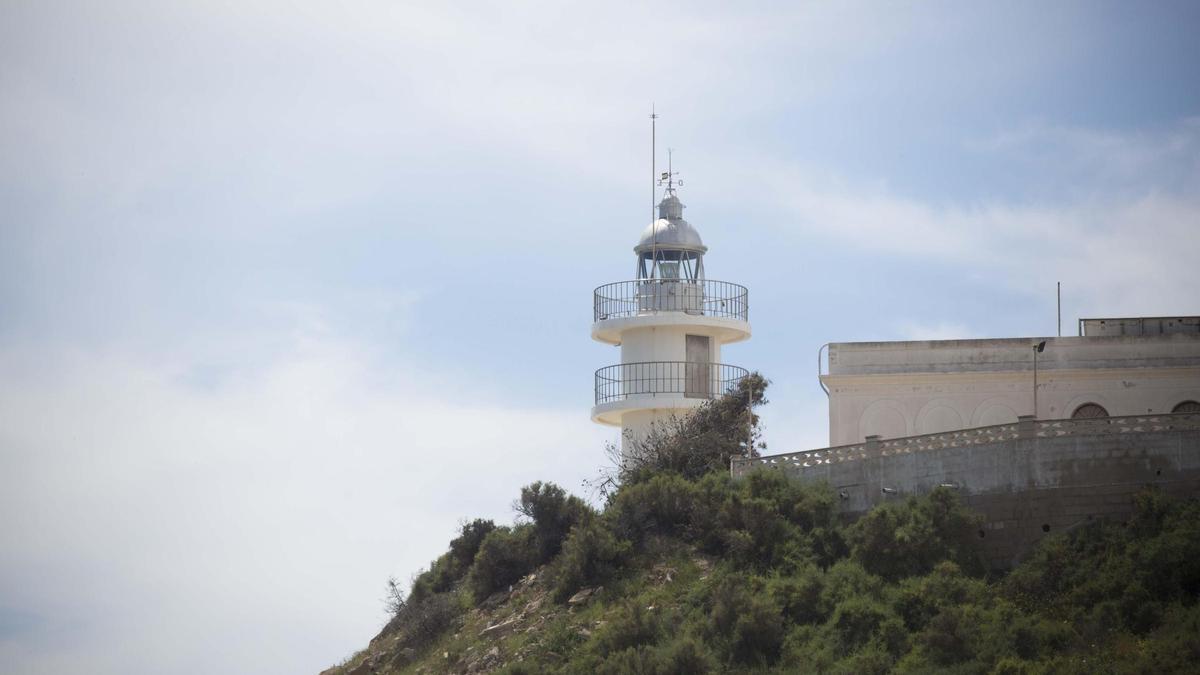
column 687, row 571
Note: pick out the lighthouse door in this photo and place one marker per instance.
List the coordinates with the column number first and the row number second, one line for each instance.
column 698, row 367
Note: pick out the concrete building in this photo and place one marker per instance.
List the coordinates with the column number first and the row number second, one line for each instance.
column 1114, row 367
column 671, row 323
column 1036, row 447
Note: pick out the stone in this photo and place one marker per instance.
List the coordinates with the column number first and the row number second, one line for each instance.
column 494, row 628
column 581, row 597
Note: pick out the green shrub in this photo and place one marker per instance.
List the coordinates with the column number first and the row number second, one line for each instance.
column 757, row 633
column 553, row 514
column 632, row 626
column 847, row 579
column 664, row 504
column 918, row 599
column 505, row 555
column 685, row 655
column 899, row 540
column 952, row 635
column 750, row 621
column 701, row 442
column 754, row 534
column 801, row 597
column 464, row 547
column 856, row 620
column 417, row 623
column 590, row 556
column 453, row 565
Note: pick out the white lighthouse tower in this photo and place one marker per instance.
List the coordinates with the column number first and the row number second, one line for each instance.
column 670, row 323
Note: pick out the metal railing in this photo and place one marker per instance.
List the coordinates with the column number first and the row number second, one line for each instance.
column 1027, row 428
column 652, row 378
column 702, row 297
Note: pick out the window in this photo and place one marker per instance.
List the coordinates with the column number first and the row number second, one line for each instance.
column 1089, row 411
column 1187, row 407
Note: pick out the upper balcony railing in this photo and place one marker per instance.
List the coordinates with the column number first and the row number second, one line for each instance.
column 652, row 378
column 701, row 297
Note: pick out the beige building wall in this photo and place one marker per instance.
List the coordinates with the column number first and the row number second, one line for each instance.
column 895, row 389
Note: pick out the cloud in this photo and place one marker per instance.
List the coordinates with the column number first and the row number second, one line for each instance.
column 1126, row 252
column 227, row 226
column 246, row 527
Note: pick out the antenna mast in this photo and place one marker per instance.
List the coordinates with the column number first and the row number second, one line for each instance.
column 653, row 193
column 653, row 170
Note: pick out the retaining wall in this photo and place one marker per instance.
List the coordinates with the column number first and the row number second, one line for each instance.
column 1028, row 479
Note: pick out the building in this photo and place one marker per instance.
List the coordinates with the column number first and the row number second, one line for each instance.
column 1114, row 367
column 671, row 323
column 1037, row 435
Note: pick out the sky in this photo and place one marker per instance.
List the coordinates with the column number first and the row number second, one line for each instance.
column 288, row 290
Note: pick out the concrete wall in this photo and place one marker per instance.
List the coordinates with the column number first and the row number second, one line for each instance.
column 896, row 389
column 666, row 343
column 1026, row 488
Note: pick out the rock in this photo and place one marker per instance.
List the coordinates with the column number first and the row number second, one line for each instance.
column 581, row 597
column 499, row 626
column 486, row 662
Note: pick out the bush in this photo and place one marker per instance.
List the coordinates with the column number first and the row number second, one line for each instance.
column 416, row 624
column 633, row 626
column 900, row 540
column 429, row 619
column 590, row 556
column 801, row 597
column 464, row 547
column 685, row 655
column 700, row 442
column 505, row 555
column 752, row 622
column 757, row 633
column 553, row 514
column 952, row 636
column 856, row 620
column 663, row 505
column 918, row 599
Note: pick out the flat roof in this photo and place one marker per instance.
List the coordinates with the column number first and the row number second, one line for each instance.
column 1014, row 354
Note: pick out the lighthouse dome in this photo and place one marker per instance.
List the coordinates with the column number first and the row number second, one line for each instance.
column 670, row 231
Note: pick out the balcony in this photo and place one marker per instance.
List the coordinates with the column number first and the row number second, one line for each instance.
column 701, row 297
column 668, row 379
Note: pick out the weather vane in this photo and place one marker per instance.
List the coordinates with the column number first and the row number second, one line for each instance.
column 667, row 177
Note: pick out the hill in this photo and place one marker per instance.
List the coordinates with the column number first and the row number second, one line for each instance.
column 685, row 570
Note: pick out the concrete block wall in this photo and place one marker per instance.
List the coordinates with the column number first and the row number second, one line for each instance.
column 1025, row 488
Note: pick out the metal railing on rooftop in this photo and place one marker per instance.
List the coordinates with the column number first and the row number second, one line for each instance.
column 700, row 297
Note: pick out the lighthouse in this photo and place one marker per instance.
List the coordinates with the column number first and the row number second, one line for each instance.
column 671, row 323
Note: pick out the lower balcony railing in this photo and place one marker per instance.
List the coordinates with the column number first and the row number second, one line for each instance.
column 652, row 378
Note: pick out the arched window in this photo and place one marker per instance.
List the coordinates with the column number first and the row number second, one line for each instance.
column 1089, row 411
column 1187, row 407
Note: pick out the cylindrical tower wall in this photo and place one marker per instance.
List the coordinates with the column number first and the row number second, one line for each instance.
column 665, row 343
column 657, row 360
